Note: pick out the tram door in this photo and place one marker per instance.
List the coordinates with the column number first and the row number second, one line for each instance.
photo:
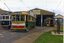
column 38, row 20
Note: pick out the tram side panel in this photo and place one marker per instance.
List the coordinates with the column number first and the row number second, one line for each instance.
column 30, row 22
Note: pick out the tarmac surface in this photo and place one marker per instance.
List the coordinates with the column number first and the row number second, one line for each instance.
column 7, row 36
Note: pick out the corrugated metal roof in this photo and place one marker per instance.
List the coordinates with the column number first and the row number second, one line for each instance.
column 59, row 16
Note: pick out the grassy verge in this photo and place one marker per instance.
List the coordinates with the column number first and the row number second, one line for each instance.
column 49, row 38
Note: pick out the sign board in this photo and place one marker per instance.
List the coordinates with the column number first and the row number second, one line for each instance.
column 32, row 14
column 24, row 12
column 36, row 11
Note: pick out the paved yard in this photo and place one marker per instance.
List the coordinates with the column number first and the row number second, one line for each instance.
column 22, row 37
column 9, row 37
column 33, row 35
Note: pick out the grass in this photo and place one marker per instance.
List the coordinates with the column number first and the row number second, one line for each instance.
column 49, row 38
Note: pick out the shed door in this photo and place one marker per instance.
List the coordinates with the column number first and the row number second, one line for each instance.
column 38, row 20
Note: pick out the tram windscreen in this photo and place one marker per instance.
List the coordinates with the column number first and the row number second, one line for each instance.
column 18, row 17
column 5, row 22
column 5, row 17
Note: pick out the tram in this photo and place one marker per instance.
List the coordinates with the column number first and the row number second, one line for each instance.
column 23, row 21
column 5, row 21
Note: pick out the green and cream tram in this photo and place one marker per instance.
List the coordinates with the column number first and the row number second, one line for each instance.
column 23, row 21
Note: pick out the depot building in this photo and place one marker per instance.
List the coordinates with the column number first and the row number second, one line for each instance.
column 43, row 17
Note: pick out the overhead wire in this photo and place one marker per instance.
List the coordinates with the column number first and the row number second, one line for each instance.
column 6, row 5
column 57, row 7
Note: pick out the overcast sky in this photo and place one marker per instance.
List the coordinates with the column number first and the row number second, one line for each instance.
column 21, row 5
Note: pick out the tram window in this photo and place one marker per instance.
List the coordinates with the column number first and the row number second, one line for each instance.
column 0, row 17
column 7, row 17
column 3, row 17
column 22, row 18
column 29, row 17
column 32, row 18
column 17, row 18
column 13, row 17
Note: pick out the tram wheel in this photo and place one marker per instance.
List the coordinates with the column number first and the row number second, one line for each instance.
column 27, row 30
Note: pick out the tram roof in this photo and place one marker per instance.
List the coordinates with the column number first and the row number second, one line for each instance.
column 21, row 12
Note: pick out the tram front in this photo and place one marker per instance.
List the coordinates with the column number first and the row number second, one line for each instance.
column 6, row 21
